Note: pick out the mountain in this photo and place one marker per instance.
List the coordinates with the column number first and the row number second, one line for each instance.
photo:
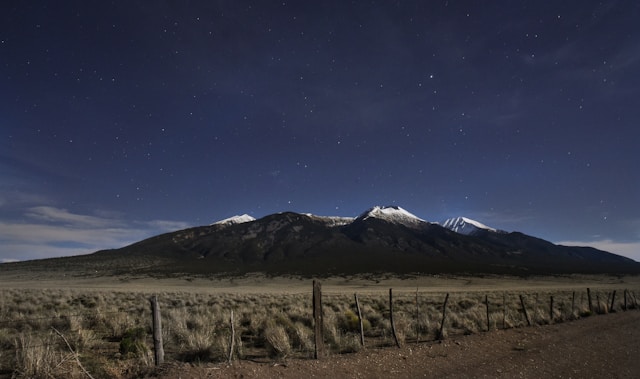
column 382, row 239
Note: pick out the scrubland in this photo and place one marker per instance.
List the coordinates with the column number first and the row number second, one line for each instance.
column 67, row 329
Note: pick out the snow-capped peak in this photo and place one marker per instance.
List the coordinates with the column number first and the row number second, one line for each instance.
column 235, row 220
column 465, row 225
column 393, row 214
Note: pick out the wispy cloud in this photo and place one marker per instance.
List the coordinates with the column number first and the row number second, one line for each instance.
column 64, row 217
column 627, row 249
column 11, row 198
column 52, row 232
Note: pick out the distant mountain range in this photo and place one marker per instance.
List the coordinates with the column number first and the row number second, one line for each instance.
column 382, row 239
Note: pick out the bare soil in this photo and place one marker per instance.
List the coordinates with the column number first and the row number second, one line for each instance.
column 604, row 346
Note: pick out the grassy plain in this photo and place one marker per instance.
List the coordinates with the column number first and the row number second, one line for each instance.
column 258, row 283
column 106, row 321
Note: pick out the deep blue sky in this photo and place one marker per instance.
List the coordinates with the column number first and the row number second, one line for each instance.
column 120, row 120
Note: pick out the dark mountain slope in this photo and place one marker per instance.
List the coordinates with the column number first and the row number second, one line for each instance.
column 381, row 240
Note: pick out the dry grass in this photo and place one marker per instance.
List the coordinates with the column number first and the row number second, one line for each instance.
column 196, row 325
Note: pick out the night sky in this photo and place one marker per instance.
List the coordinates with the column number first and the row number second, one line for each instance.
column 120, row 120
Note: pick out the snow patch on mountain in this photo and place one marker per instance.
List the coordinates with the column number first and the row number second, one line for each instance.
column 466, row 226
column 392, row 214
column 235, row 220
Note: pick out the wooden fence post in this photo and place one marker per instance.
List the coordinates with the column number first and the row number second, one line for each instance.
column 158, row 349
column 486, row 303
column 355, row 295
column 504, row 310
column 318, row 320
column 233, row 338
column 444, row 316
column 613, row 299
column 589, row 299
column 573, row 303
column 524, row 309
column 417, row 318
column 625, row 299
column 393, row 325
column 550, row 309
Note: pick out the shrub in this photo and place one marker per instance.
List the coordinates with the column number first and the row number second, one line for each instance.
column 350, row 322
column 277, row 340
column 466, row 304
column 303, row 337
column 133, row 343
column 35, row 358
column 350, row 344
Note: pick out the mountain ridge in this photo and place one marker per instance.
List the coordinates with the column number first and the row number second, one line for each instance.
column 382, row 239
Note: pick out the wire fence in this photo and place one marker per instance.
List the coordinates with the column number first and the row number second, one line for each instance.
column 218, row 328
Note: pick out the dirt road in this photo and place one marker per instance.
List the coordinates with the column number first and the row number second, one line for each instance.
column 606, row 346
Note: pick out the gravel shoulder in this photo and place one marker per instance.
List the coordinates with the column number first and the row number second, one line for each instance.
column 594, row 347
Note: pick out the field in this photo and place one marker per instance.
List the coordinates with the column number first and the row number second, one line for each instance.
column 67, row 327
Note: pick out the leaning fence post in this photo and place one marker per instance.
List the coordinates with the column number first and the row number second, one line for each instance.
column 158, row 349
column 524, row 309
column 613, row 299
column 233, row 338
column 486, row 302
column 417, row 318
column 393, row 325
column 444, row 315
column 504, row 310
column 318, row 320
column 355, row 295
